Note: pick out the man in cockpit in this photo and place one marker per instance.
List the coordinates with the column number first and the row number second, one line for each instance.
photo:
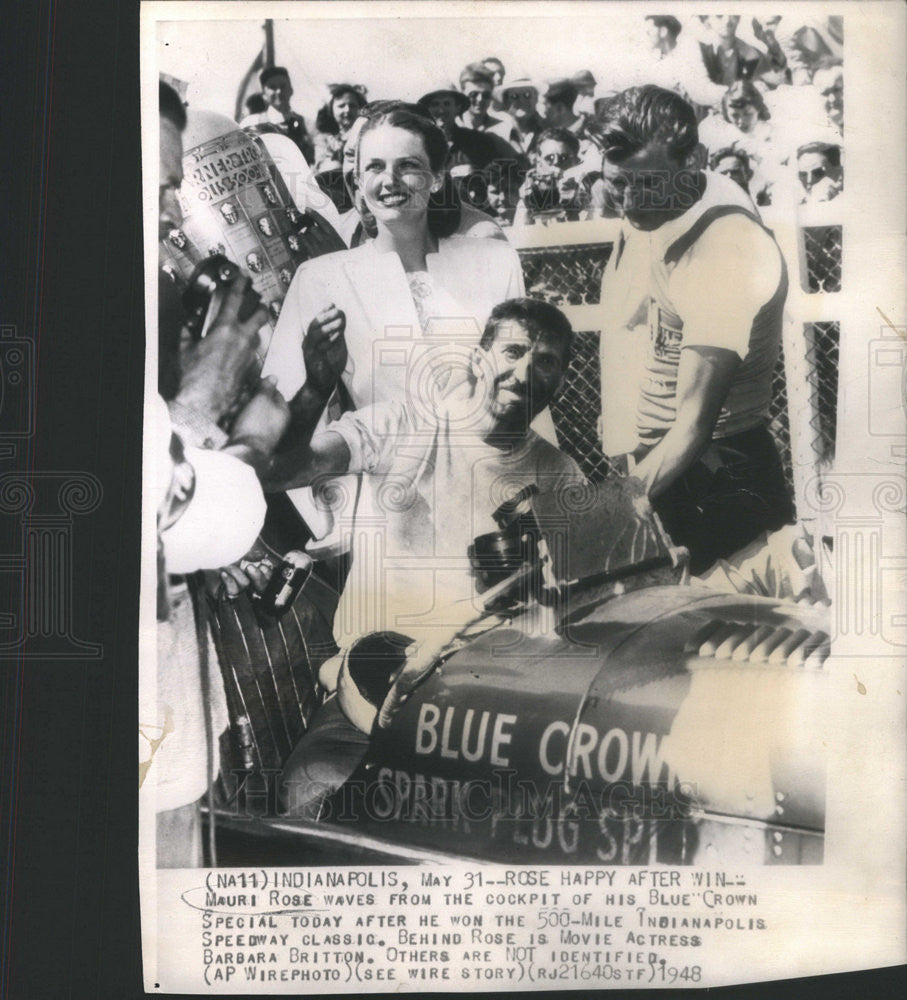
column 442, row 467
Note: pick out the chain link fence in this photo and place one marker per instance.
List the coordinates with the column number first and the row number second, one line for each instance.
column 822, row 247
column 822, row 342
column 577, row 409
column 565, row 275
column 779, row 419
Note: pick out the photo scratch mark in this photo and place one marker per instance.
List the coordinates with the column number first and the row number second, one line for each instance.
column 890, row 325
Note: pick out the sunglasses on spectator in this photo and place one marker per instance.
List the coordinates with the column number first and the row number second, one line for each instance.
column 518, row 93
column 808, row 178
column 557, row 159
column 475, row 96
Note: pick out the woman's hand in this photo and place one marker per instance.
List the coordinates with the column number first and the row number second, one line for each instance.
column 324, row 350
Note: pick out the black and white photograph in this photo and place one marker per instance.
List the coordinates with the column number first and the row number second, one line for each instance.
column 510, row 618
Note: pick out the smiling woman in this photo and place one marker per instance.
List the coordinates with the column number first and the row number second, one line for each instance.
column 413, row 275
column 398, row 170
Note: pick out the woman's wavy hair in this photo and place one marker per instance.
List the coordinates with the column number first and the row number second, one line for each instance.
column 325, row 121
column 444, row 212
column 744, row 92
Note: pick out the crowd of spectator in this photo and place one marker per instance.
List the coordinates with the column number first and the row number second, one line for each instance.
column 768, row 94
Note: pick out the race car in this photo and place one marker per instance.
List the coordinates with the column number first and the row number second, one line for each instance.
column 602, row 713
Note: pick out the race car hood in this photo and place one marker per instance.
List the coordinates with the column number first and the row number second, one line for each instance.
column 719, row 697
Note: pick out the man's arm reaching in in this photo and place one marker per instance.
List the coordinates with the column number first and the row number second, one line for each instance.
column 259, row 426
column 704, row 377
column 215, row 373
column 326, row 454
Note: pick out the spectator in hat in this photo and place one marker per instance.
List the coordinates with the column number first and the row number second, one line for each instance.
column 469, row 152
column 444, row 104
column 520, row 98
column 466, row 147
column 277, row 90
column 477, row 84
column 585, row 84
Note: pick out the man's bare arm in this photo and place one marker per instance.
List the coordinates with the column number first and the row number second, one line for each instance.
column 704, row 376
column 324, row 352
column 327, row 454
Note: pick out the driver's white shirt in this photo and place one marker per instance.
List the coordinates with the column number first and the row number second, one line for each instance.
column 437, row 484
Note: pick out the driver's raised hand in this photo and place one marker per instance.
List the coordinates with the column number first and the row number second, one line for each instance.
column 324, row 350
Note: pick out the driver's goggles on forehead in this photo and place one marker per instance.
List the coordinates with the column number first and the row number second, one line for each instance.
column 557, row 159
